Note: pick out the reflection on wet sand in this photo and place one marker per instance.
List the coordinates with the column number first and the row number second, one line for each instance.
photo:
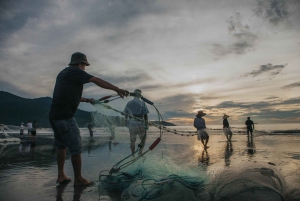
column 25, row 177
column 78, row 190
column 251, row 146
column 27, row 146
column 228, row 152
column 204, row 158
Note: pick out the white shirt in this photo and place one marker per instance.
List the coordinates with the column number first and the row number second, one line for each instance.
column 137, row 108
column 29, row 125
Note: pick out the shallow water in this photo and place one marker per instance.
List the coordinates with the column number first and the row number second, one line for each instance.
column 28, row 170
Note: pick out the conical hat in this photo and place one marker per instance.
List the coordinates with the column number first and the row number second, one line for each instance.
column 225, row 116
column 201, row 113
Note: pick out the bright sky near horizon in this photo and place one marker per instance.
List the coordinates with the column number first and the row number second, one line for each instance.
column 239, row 57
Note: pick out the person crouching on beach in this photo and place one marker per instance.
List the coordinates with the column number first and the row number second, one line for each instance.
column 226, row 128
column 67, row 95
column 199, row 123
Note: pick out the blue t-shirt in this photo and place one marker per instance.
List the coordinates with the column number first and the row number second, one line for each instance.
column 199, row 123
column 67, row 92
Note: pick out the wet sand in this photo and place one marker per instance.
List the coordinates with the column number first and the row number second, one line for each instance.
column 28, row 169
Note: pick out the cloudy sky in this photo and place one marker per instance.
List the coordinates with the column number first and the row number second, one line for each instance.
column 239, row 57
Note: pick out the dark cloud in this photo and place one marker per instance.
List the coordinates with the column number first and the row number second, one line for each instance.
column 263, row 112
column 242, row 105
column 269, row 68
column 15, row 14
column 176, row 106
column 293, row 85
column 177, row 99
column 255, row 105
column 269, row 115
column 151, row 87
column 274, row 11
column 176, row 114
column 294, row 14
column 291, row 101
column 176, row 85
column 129, row 78
column 244, row 39
column 115, row 13
column 272, row 97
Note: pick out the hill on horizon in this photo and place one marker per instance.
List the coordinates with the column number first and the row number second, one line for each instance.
column 15, row 109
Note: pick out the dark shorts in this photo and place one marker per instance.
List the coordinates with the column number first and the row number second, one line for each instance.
column 33, row 133
column 67, row 135
column 249, row 128
column 21, row 131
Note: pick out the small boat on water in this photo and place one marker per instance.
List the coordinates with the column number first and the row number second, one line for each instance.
column 6, row 137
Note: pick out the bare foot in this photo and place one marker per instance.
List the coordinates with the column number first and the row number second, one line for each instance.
column 63, row 179
column 82, row 182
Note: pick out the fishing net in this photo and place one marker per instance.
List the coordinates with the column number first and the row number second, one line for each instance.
column 139, row 177
column 168, row 173
column 127, row 116
column 157, row 178
column 251, row 183
column 172, row 187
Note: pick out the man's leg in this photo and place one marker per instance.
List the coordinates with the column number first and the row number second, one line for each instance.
column 61, row 157
column 226, row 133
column 78, row 179
column 132, row 147
column 202, row 141
column 230, row 135
column 142, row 136
column 132, row 133
column 206, row 141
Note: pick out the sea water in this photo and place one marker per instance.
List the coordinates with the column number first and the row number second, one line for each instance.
column 28, row 169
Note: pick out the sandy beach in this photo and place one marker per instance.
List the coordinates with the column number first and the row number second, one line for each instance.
column 28, row 169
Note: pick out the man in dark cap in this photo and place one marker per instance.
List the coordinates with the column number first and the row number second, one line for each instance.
column 67, row 95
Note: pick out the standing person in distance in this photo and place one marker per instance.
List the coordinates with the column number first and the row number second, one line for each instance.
column 67, row 95
column 22, row 129
column 139, row 124
column 250, row 126
column 90, row 127
column 226, row 128
column 199, row 124
column 29, row 127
